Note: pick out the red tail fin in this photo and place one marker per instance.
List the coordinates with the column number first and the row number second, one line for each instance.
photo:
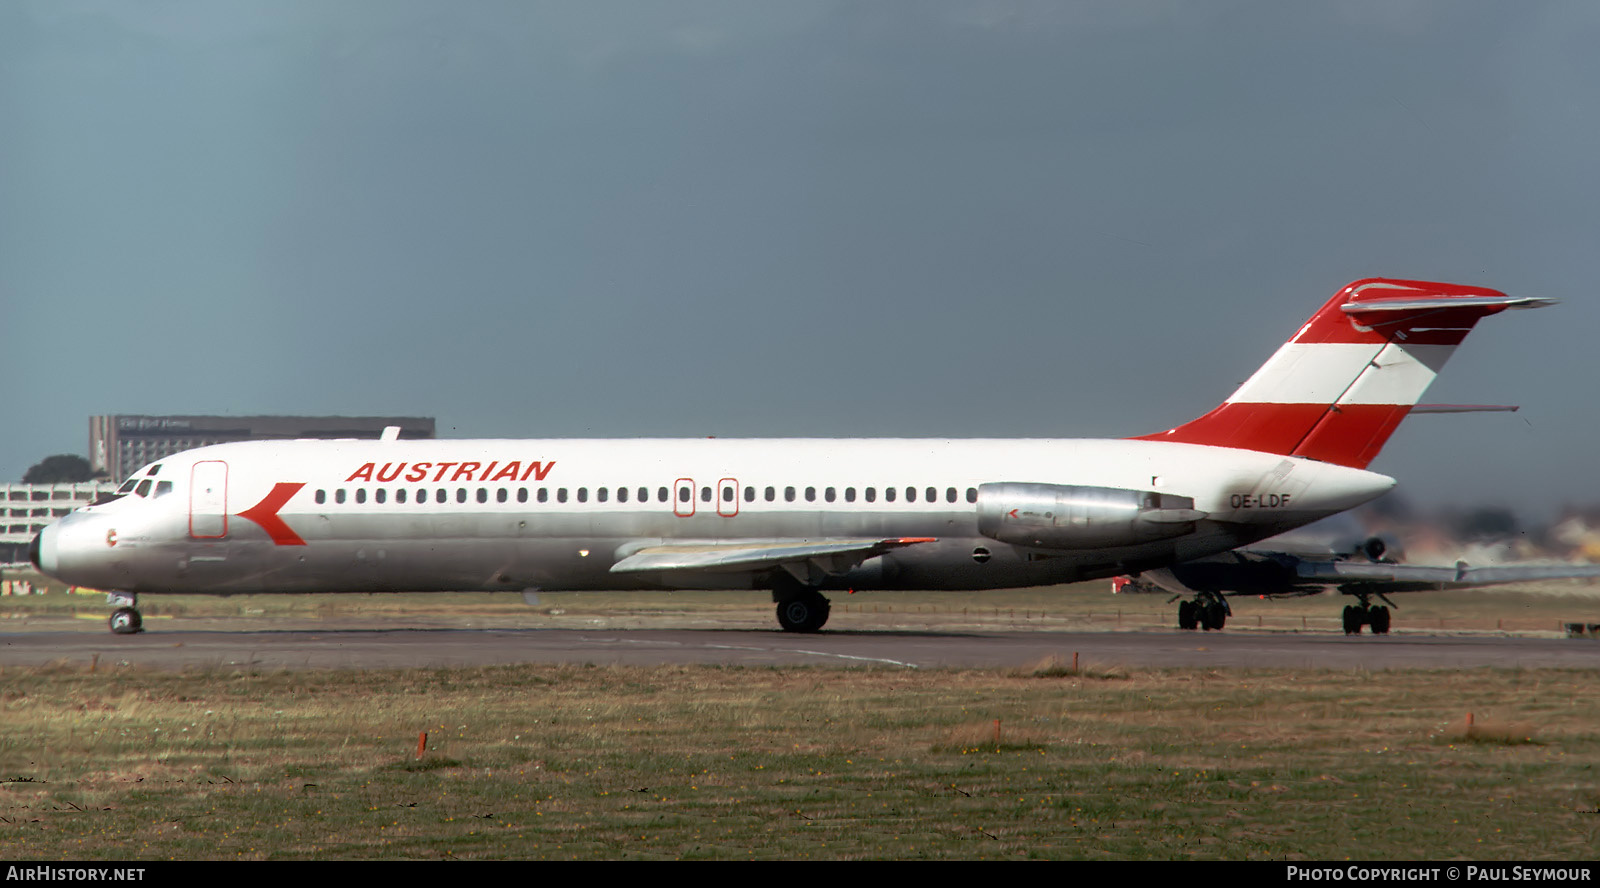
column 1339, row 387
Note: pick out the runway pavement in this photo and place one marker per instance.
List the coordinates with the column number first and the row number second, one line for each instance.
column 388, row 648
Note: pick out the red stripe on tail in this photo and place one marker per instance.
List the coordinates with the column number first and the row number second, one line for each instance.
column 1323, row 396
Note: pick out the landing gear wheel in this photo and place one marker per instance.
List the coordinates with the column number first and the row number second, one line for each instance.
column 1214, row 617
column 1188, row 615
column 1354, row 617
column 126, row 621
column 1379, row 618
column 803, row 613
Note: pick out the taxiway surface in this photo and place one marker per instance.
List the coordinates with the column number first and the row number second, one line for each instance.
column 398, row 648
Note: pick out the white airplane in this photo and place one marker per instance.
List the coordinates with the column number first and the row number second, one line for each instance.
column 793, row 516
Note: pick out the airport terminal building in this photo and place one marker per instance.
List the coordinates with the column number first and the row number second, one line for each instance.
column 120, row 445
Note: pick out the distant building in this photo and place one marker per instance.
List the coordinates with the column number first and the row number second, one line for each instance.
column 120, row 445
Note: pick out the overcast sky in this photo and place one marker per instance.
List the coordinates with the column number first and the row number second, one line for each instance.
column 917, row 218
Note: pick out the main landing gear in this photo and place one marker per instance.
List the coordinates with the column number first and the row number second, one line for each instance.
column 1207, row 611
column 1366, row 614
column 125, row 620
column 801, row 609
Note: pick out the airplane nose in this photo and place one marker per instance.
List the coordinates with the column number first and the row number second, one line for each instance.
column 42, row 551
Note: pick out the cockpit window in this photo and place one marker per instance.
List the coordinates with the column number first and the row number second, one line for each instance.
column 144, row 488
column 163, row 488
column 127, row 486
column 154, row 469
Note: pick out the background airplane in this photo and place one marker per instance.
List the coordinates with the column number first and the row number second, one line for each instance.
column 1298, row 564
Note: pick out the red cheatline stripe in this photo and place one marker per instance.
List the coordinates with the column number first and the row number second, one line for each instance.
column 265, row 513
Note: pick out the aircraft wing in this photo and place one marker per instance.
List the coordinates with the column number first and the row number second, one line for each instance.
column 807, row 560
column 1384, row 578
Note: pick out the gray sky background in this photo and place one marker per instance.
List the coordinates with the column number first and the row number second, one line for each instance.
column 792, row 218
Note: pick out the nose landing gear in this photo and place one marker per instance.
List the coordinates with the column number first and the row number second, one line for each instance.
column 125, row 620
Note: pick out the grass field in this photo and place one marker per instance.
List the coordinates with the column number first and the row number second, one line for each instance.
column 547, row 762
column 686, row 762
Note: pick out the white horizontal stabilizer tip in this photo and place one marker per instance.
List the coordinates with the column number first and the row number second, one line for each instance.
column 1428, row 303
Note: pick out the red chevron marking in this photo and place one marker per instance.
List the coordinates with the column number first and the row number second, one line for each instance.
column 265, row 513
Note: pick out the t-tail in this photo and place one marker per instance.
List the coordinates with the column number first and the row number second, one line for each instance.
column 1338, row 388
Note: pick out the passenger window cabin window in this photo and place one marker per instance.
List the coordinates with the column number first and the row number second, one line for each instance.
column 622, row 494
column 561, row 494
column 500, row 495
column 949, row 494
column 770, row 494
column 544, row 495
column 749, row 494
column 911, row 494
column 400, row 495
column 788, row 494
column 361, row 494
column 461, row 494
column 661, row 495
column 322, row 497
column 870, row 494
column 381, row 495
column 828, row 494
column 727, row 494
column 888, row 494
column 972, row 494
column 685, row 494
column 338, row 495
column 932, row 495
column 849, row 494
column 600, row 494
column 441, row 496
column 583, row 494
column 422, row 495
column 644, row 494
column 811, row 494
column 483, row 494
column 522, row 494
column 705, row 494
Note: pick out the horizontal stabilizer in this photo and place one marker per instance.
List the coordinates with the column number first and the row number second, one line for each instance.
column 1487, row 304
column 1464, row 408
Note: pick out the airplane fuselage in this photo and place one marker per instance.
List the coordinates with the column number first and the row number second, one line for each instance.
column 561, row 514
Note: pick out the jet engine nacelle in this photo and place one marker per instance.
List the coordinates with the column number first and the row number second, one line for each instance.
column 1058, row 516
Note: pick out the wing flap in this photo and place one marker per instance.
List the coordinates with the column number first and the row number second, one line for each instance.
column 799, row 557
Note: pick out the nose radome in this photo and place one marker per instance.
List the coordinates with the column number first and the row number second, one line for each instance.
column 42, row 551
